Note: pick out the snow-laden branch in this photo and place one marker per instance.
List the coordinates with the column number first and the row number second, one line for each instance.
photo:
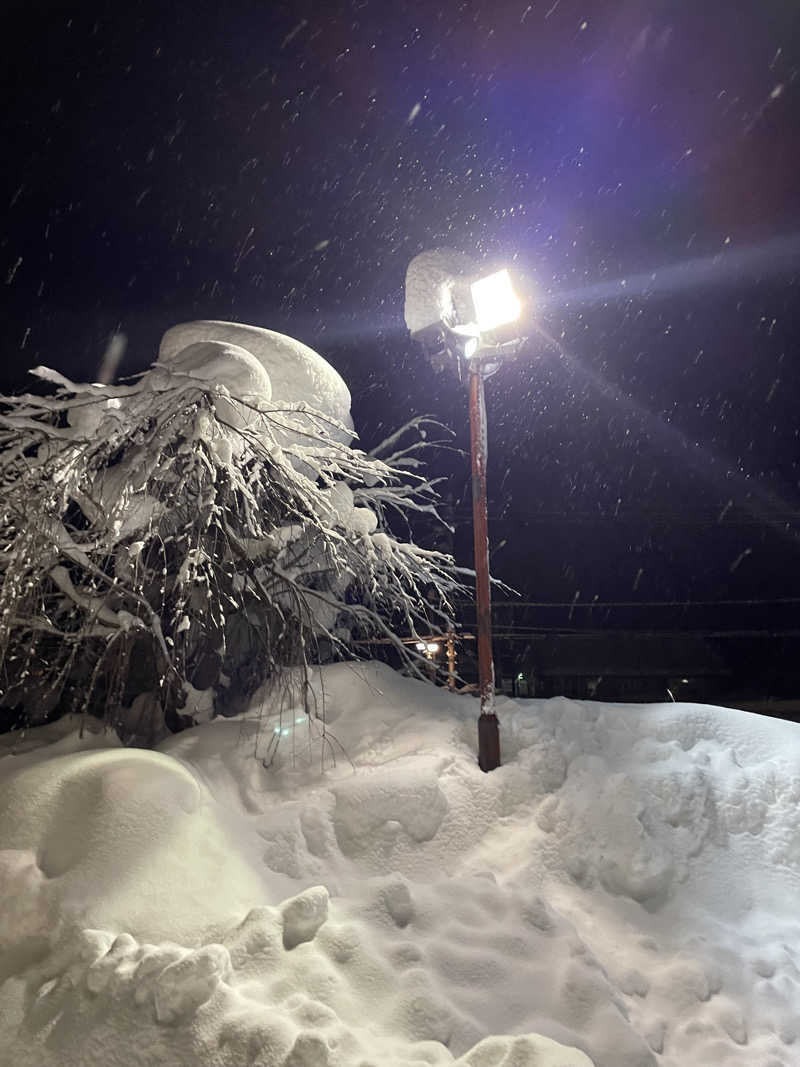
column 165, row 537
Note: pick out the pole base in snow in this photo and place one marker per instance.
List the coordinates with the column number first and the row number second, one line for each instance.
column 488, row 742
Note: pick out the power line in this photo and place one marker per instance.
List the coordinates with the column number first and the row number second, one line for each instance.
column 520, row 633
column 571, row 604
column 655, row 518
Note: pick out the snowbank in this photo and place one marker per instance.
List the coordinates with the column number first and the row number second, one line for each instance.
column 621, row 893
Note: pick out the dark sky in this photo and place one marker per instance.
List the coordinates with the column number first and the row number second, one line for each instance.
column 280, row 164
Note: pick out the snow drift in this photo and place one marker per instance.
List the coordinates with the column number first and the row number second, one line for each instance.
column 621, row 893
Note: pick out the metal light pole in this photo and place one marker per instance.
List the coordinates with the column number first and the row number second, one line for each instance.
column 488, row 727
column 455, row 314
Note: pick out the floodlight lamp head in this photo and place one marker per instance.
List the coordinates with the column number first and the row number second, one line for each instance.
column 458, row 316
column 496, row 304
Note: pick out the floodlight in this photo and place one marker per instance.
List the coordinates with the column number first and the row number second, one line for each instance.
column 420, row 646
column 432, row 647
column 496, row 303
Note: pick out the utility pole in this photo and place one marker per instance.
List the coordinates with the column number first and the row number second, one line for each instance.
column 451, row 660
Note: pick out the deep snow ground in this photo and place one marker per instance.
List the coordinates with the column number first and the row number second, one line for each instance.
column 625, row 885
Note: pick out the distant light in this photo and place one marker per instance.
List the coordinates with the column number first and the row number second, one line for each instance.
column 432, row 647
column 495, row 301
column 520, row 677
column 685, row 681
column 420, row 646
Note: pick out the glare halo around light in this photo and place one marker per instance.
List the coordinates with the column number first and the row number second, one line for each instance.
column 496, row 303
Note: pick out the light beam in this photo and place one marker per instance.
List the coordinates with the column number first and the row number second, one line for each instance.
column 772, row 258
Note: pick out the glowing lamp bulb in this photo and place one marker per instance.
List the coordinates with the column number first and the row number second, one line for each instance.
column 420, row 646
column 432, row 647
column 471, row 347
column 496, row 303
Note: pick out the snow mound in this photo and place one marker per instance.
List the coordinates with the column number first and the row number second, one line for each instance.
column 233, row 370
column 620, row 893
column 108, row 837
column 532, row 1050
column 230, row 365
column 199, row 1005
column 297, row 373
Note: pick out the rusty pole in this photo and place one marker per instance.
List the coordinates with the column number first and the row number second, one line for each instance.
column 451, row 660
column 488, row 727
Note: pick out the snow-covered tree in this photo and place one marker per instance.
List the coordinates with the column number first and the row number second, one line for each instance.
column 169, row 545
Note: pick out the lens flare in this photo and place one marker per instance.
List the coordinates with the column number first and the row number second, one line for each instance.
column 773, row 258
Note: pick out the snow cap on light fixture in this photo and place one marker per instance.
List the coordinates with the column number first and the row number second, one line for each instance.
column 496, row 303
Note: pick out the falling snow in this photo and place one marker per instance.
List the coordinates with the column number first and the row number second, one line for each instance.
column 633, row 163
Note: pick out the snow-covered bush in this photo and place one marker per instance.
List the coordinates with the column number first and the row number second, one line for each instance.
column 169, row 545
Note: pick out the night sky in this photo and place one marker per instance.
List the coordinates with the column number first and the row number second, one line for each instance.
column 280, row 164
